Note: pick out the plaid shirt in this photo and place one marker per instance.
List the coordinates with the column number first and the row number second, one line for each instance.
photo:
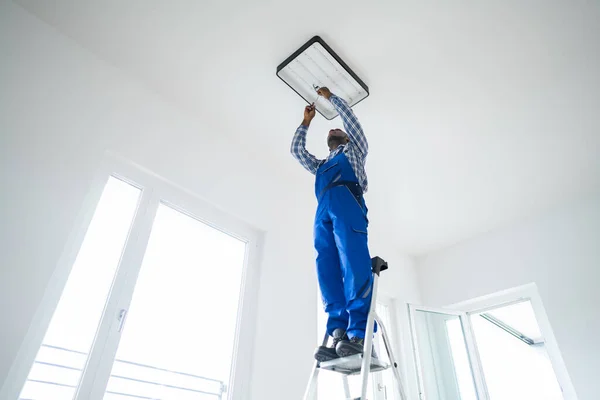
column 355, row 150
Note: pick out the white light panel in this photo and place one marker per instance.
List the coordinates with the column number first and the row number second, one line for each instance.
column 315, row 64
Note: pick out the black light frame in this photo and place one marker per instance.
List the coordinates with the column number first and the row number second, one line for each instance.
column 317, row 39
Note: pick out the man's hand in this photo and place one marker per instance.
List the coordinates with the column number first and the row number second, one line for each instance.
column 324, row 92
column 309, row 114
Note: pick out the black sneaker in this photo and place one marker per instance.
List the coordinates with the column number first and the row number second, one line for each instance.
column 324, row 353
column 347, row 348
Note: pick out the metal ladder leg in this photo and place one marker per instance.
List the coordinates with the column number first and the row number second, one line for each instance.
column 368, row 344
column 311, row 388
column 346, row 387
column 393, row 362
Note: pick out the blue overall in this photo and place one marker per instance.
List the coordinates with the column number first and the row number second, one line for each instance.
column 343, row 260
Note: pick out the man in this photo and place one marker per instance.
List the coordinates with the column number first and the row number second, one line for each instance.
column 340, row 231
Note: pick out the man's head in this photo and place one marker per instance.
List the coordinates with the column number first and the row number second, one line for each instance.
column 336, row 138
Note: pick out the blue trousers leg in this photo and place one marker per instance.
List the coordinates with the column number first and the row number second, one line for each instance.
column 350, row 233
column 329, row 273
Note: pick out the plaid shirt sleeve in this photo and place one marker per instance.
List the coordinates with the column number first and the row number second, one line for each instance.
column 298, row 150
column 351, row 124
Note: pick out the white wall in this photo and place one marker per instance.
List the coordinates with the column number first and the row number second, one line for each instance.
column 560, row 252
column 60, row 109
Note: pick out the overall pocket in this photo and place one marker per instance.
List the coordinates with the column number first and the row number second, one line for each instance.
column 362, row 208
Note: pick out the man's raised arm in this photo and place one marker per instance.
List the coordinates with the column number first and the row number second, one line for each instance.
column 298, row 149
column 351, row 124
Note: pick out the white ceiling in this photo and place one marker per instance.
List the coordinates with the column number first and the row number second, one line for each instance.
column 480, row 113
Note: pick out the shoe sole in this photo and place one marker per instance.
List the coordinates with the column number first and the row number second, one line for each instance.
column 343, row 351
column 347, row 352
column 324, row 358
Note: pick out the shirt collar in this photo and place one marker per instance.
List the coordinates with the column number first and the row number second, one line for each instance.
column 339, row 148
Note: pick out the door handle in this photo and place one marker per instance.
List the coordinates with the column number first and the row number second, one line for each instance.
column 382, row 388
column 121, row 319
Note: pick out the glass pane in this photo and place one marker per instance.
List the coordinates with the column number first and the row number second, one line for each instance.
column 60, row 361
column 460, row 357
column 445, row 367
column 514, row 369
column 178, row 338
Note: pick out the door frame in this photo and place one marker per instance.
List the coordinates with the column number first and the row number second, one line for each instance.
column 155, row 190
column 473, row 355
column 515, row 295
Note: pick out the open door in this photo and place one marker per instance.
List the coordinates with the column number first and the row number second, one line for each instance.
column 445, row 355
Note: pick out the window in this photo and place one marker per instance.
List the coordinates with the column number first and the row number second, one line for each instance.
column 153, row 305
column 441, row 354
column 179, row 334
column 513, row 354
column 57, row 369
column 499, row 346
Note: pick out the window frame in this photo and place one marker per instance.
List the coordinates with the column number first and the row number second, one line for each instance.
column 470, row 346
column 528, row 292
column 155, row 190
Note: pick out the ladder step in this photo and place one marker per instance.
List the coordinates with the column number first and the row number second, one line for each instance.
column 351, row 365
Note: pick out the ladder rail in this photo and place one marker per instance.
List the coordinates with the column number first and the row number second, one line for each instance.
column 368, row 342
column 311, row 388
column 346, row 387
column 390, row 353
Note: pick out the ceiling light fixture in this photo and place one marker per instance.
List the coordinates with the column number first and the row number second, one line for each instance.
column 316, row 65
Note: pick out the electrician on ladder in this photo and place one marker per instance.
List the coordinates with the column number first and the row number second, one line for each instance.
column 340, row 231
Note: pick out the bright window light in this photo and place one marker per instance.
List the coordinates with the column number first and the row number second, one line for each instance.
column 519, row 316
column 316, row 65
column 61, row 359
column 514, row 369
column 178, row 338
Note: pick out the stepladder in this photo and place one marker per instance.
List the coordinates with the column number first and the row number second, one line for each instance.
column 364, row 364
